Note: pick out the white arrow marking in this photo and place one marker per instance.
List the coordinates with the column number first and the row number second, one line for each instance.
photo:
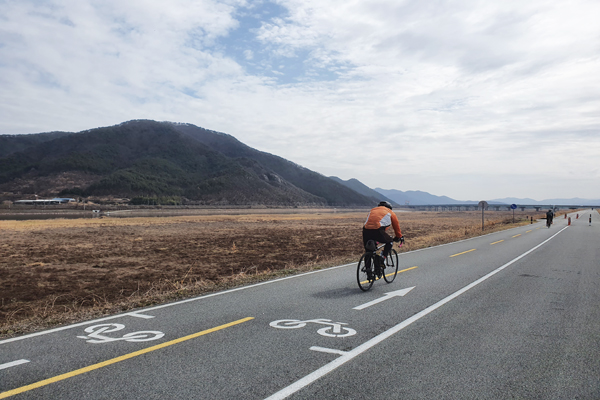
column 13, row 364
column 387, row 296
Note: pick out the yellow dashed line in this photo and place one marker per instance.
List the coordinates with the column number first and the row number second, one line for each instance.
column 468, row 251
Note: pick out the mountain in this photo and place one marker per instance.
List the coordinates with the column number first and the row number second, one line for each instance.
column 10, row 144
column 423, row 198
column 162, row 160
column 363, row 189
column 312, row 182
column 557, row 202
column 416, row 197
column 512, row 200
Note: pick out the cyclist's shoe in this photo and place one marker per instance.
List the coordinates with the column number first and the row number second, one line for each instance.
column 377, row 272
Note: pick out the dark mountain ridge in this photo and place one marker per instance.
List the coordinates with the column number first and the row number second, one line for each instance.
column 417, row 197
column 303, row 178
column 363, row 189
column 555, row 202
column 10, row 144
column 144, row 158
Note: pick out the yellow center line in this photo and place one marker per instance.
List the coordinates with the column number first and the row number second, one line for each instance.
column 497, row 242
column 529, row 231
column 517, row 235
column 407, row 269
column 404, row 270
column 468, row 251
column 117, row 359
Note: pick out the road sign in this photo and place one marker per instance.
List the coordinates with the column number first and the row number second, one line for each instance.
column 514, row 207
column 483, row 205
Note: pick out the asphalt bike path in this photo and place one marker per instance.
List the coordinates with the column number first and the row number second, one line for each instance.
column 529, row 331
column 244, row 343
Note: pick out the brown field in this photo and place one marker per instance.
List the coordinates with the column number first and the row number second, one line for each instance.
column 59, row 271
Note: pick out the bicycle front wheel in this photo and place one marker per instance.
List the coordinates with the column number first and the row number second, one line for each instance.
column 364, row 272
column 391, row 266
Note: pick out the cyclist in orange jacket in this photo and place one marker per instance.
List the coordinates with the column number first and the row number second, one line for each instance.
column 378, row 220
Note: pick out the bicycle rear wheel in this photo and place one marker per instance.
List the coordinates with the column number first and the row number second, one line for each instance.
column 391, row 266
column 364, row 272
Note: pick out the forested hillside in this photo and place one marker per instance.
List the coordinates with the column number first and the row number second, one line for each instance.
column 164, row 161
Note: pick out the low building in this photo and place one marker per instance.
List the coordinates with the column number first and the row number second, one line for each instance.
column 56, row 200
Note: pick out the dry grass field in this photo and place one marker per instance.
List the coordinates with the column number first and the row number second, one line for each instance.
column 58, row 271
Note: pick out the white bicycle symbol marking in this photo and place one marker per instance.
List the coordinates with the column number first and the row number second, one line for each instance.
column 95, row 334
column 336, row 328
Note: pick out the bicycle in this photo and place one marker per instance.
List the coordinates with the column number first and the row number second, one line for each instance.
column 369, row 269
column 548, row 222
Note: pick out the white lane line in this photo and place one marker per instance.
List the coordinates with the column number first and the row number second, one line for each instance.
column 338, row 362
column 13, row 364
column 140, row 315
column 326, row 350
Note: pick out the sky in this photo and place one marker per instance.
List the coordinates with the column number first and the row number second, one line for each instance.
column 471, row 99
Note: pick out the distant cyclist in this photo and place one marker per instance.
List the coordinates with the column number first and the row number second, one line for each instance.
column 378, row 220
column 549, row 218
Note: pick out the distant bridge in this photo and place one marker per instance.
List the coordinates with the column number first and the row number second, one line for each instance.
column 492, row 207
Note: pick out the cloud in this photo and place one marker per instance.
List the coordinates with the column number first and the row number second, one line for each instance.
column 379, row 90
column 136, row 54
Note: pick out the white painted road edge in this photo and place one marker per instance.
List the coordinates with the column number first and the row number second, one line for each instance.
column 347, row 356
